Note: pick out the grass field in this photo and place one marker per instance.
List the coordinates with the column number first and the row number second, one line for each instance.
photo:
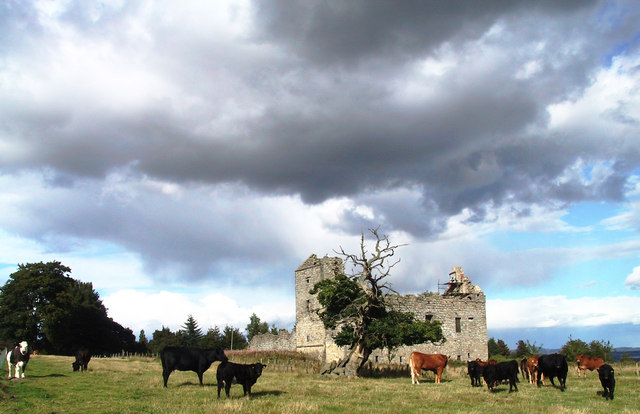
column 287, row 386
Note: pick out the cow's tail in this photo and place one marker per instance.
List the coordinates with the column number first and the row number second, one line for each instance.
column 446, row 360
column 412, row 367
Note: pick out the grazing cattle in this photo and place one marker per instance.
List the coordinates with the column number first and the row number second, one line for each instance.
column 523, row 369
column 245, row 374
column 188, row 359
column 430, row 362
column 502, row 371
column 532, row 368
column 475, row 373
column 83, row 356
column 588, row 363
column 554, row 365
column 605, row 372
column 18, row 358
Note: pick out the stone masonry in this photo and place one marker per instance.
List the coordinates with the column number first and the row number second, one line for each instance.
column 461, row 310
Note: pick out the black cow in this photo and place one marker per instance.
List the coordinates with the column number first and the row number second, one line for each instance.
column 605, row 372
column 553, row 365
column 475, row 373
column 502, row 371
column 247, row 375
column 17, row 357
column 523, row 369
column 189, row 359
column 83, row 356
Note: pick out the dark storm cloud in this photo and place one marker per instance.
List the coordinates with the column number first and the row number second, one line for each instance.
column 317, row 99
column 339, row 32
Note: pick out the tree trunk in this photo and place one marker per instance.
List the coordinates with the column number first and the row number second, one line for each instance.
column 350, row 365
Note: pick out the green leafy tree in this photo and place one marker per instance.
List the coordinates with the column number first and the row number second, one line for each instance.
column 493, row 348
column 273, row 330
column 161, row 338
column 354, row 307
column 601, row 349
column 255, row 327
column 191, row 332
column 142, row 346
column 503, row 348
column 526, row 349
column 56, row 313
column 212, row 339
column 574, row 347
column 232, row 338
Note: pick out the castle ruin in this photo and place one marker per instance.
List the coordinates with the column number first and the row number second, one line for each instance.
column 461, row 309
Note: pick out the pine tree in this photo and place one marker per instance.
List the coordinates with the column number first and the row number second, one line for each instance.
column 191, row 332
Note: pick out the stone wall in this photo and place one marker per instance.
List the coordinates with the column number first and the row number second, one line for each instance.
column 284, row 341
column 461, row 310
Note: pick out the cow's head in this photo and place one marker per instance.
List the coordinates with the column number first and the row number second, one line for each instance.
column 257, row 369
column 216, row 354
column 76, row 366
column 24, row 347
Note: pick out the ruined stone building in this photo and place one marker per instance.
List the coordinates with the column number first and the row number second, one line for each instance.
column 460, row 309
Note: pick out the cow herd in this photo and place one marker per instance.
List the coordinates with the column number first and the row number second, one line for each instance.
column 538, row 368
column 534, row 369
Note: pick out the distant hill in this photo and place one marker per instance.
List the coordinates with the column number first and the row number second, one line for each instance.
column 617, row 353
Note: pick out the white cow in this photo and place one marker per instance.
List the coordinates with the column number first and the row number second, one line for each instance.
column 18, row 358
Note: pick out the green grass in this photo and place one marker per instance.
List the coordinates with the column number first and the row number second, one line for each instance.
column 287, row 386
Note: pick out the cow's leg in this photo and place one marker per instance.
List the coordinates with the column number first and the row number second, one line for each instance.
column 227, row 387
column 165, row 376
column 200, row 377
column 220, row 384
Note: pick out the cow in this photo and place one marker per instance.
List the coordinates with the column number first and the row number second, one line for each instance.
column 523, row 369
column 605, row 372
column 586, row 362
column 188, row 359
column 83, row 356
column 532, row 368
column 475, row 373
column 431, row 362
column 245, row 374
column 494, row 373
column 18, row 358
column 553, row 365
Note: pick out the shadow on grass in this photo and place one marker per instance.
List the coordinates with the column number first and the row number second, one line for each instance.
column 46, row 376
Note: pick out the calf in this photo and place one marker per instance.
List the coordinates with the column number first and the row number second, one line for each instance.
column 554, row 365
column 247, row 375
column 475, row 373
column 605, row 372
column 18, row 358
column 83, row 356
column 501, row 371
column 188, row 359
column 532, row 367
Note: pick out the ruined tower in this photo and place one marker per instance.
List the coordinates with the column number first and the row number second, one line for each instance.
column 461, row 310
column 311, row 336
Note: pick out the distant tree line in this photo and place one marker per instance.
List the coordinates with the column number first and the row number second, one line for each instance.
column 191, row 335
column 42, row 304
column 573, row 347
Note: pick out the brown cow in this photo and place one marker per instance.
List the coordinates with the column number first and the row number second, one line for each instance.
column 532, row 367
column 586, row 362
column 431, row 362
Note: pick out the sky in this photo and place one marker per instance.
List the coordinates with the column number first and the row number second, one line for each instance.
column 186, row 157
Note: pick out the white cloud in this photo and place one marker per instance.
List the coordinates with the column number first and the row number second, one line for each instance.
column 552, row 311
column 150, row 310
column 633, row 280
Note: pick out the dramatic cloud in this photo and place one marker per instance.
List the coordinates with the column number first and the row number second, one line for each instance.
column 223, row 142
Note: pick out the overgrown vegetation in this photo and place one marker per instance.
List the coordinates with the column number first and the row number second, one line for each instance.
column 135, row 386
